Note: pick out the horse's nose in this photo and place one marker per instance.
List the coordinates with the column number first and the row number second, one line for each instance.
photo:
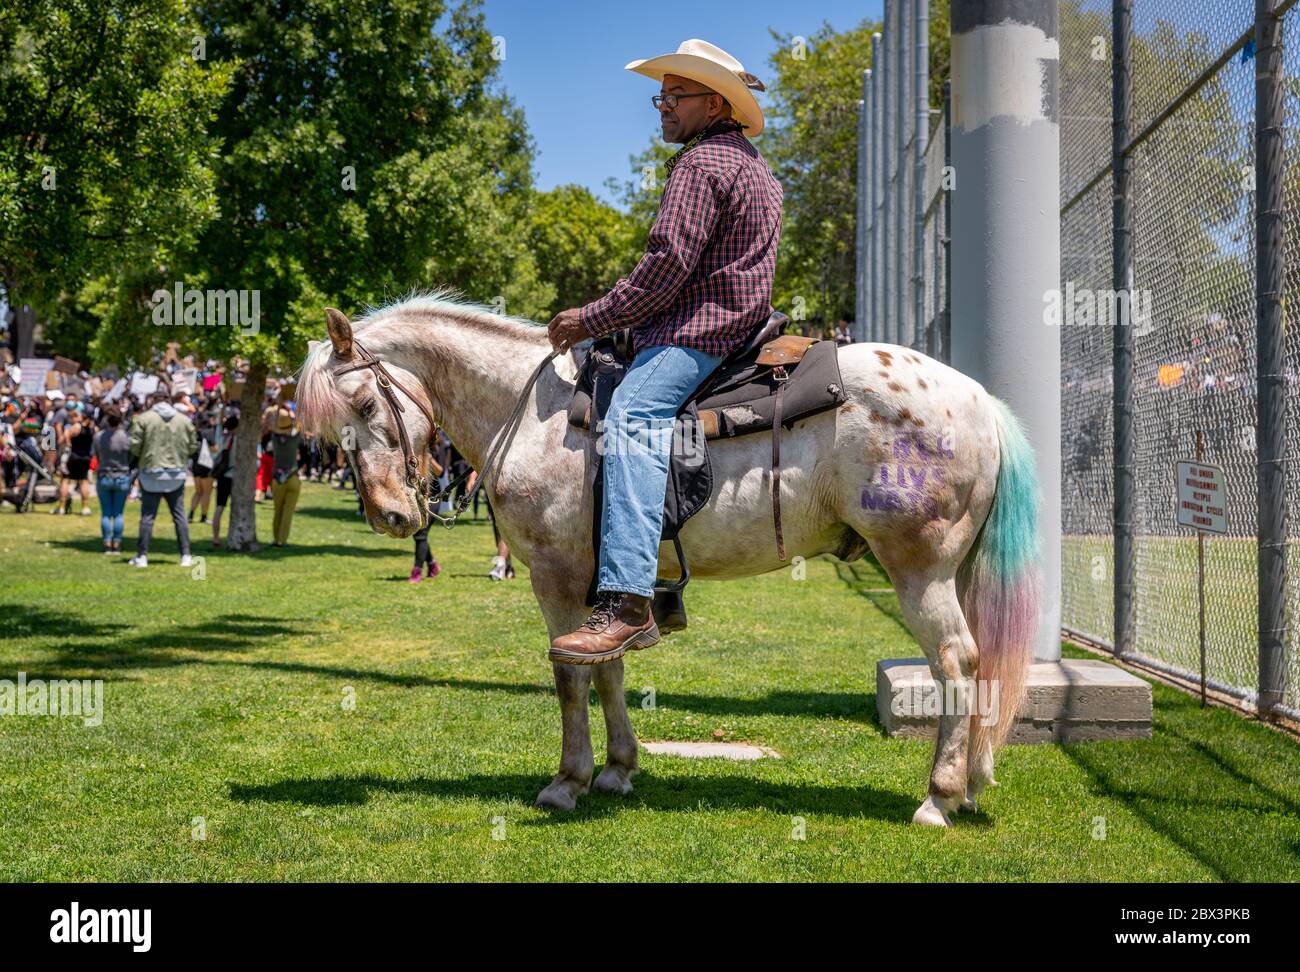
column 395, row 520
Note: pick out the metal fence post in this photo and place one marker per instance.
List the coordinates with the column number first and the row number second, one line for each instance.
column 946, row 325
column 902, row 255
column 877, row 234
column 1270, row 115
column 860, row 222
column 889, row 120
column 1122, row 355
column 868, row 118
column 921, row 96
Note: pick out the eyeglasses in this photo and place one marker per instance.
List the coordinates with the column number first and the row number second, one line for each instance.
column 669, row 101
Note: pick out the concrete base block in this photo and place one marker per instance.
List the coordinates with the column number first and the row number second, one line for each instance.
column 1072, row 700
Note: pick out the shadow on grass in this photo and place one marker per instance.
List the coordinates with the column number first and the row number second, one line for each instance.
column 1166, row 788
column 27, row 621
column 667, row 793
column 864, row 580
column 87, row 644
column 159, row 549
column 103, row 647
column 856, row 706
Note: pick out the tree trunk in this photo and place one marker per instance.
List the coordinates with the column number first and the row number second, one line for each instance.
column 243, row 519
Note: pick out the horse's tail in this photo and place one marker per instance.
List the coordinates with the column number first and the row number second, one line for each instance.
column 1000, row 582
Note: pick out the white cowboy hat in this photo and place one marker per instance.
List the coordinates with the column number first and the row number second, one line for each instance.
column 715, row 68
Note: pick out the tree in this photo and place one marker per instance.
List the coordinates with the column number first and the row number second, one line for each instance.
column 811, row 144
column 364, row 153
column 581, row 244
column 105, row 164
column 640, row 195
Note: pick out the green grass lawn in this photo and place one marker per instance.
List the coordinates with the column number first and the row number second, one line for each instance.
column 225, row 700
column 1167, row 621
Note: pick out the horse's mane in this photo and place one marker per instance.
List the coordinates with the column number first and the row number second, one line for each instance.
column 322, row 408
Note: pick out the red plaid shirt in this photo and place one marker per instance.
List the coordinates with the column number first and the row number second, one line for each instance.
column 705, row 281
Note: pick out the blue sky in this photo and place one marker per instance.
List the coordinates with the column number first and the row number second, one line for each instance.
column 564, row 65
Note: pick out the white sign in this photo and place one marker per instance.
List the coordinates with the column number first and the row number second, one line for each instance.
column 143, row 385
column 185, row 380
column 1202, row 497
column 117, row 391
column 34, row 371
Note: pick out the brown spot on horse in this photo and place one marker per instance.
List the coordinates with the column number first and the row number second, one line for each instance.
column 895, row 386
column 885, row 358
column 921, row 382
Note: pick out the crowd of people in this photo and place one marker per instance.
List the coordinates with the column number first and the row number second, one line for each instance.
column 78, row 451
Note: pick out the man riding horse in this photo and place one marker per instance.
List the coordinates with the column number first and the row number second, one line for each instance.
column 701, row 290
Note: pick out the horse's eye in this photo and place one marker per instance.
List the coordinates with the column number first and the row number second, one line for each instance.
column 367, row 409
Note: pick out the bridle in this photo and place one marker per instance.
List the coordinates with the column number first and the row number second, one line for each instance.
column 428, row 504
column 386, row 382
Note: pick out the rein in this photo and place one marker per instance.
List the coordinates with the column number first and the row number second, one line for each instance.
column 428, row 504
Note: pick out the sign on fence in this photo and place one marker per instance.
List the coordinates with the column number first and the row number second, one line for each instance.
column 1202, row 497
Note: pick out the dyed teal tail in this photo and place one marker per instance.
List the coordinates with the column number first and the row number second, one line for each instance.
column 1000, row 581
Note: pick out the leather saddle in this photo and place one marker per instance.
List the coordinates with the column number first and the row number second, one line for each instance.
column 767, row 383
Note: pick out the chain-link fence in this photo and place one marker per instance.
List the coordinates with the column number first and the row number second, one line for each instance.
column 902, row 240
column 1181, row 78
column 1189, row 150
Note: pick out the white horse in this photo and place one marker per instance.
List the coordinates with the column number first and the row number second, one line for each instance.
column 920, row 464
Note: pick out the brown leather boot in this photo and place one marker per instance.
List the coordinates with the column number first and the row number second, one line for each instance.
column 617, row 622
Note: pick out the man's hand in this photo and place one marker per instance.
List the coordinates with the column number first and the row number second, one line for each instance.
column 566, row 330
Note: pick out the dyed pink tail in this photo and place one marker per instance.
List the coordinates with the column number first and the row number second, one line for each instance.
column 1000, row 582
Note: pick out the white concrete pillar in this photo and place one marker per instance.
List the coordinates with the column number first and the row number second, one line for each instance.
column 1006, row 242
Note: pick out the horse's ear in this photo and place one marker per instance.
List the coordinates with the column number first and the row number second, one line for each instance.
column 340, row 329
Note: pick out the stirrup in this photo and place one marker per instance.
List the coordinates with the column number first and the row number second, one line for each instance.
column 669, row 609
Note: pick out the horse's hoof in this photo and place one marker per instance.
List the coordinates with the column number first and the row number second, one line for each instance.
column 970, row 805
column 558, row 796
column 612, row 781
column 928, row 814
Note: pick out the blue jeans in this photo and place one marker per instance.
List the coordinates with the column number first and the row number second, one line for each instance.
column 112, row 492
column 636, row 445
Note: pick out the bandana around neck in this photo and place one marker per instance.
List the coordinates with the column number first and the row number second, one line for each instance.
column 717, row 128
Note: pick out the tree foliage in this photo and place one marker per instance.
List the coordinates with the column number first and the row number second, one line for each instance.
column 582, row 245
column 811, row 144
column 365, row 152
column 105, row 159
